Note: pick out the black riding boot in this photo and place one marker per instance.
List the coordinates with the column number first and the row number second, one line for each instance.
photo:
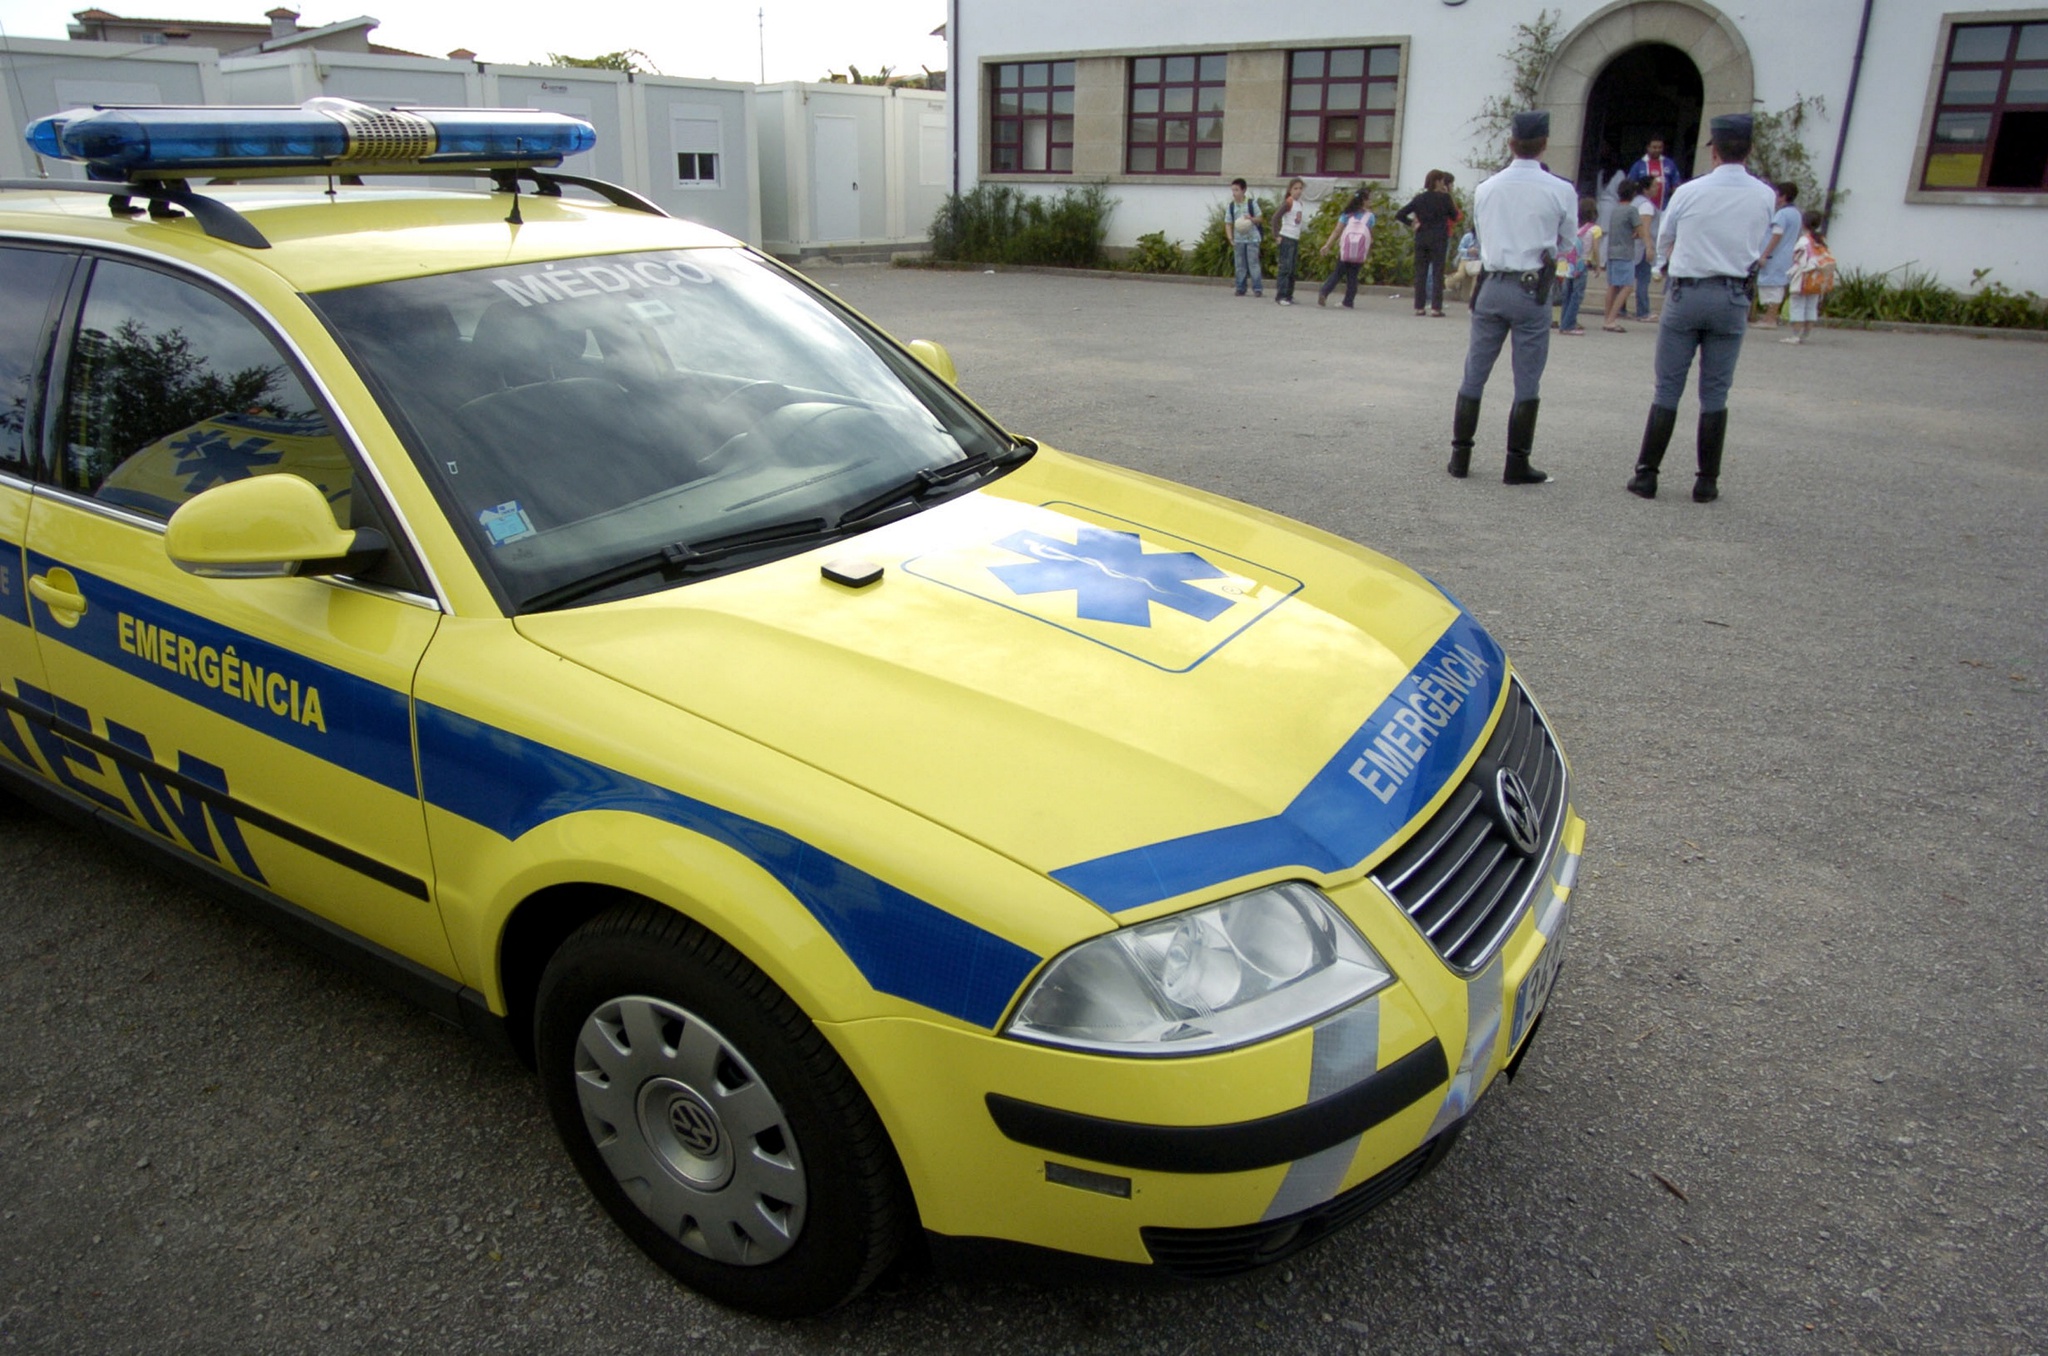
column 1656, row 437
column 1464, row 427
column 1522, row 437
column 1706, row 487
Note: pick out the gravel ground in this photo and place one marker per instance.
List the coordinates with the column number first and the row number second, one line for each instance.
column 1789, row 1096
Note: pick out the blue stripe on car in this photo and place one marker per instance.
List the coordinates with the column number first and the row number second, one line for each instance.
column 509, row 784
column 368, row 726
column 903, row 946
column 1349, row 809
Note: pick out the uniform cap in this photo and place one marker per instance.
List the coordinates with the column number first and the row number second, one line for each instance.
column 1739, row 126
column 1531, row 126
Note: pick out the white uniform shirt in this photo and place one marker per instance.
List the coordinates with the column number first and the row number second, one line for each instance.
column 1716, row 227
column 1521, row 212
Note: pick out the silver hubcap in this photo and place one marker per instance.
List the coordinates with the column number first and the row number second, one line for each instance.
column 690, row 1131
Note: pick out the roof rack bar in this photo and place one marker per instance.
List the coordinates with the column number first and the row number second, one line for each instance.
column 550, row 182
column 215, row 217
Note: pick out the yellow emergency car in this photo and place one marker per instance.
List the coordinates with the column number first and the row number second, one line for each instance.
column 874, row 825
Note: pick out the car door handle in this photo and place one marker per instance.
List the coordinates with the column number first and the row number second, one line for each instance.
column 59, row 592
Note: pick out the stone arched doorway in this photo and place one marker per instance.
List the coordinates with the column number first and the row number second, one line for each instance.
column 1649, row 91
column 1706, row 38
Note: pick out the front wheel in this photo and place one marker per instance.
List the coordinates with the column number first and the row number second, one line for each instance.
column 711, row 1119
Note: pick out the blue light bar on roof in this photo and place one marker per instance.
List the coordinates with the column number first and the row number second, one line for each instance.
column 122, row 143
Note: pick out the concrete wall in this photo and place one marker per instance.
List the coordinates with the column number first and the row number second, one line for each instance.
column 1762, row 57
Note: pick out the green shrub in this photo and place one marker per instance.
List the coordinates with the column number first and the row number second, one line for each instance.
column 1156, row 254
column 1917, row 298
column 997, row 224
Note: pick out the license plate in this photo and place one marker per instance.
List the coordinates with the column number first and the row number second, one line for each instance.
column 1534, row 990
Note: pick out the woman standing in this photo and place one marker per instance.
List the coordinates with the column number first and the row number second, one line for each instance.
column 1431, row 213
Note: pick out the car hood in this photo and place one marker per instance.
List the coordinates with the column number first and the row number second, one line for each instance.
column 1138, row 689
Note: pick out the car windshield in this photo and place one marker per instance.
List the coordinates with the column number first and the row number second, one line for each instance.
column 579, row 415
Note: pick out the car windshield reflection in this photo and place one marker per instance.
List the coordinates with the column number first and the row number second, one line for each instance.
column 576, row 414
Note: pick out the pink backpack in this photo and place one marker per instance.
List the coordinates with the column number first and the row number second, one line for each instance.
column 1355, row 242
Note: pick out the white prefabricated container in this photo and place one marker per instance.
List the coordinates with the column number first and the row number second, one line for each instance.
column 600, row 98
column 860, row 167
column 40, row 76
column 695, row 151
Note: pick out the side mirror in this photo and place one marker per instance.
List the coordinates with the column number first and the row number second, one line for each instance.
column 265, row 527
column 936, row 358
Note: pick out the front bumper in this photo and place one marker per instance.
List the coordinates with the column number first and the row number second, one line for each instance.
column 1242, row 1155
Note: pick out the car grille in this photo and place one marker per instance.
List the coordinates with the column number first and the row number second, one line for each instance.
column 1201, row 1254
column 1460, row 879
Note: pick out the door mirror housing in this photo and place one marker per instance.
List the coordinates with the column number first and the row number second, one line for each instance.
column 266, row 527
column 935, row 357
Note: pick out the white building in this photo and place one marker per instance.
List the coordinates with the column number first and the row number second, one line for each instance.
column 1943, row 152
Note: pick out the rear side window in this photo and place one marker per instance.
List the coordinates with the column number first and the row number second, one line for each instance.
column 29, row 282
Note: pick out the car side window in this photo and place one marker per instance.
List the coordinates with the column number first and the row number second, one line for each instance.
column 171, row 390
column 30, row 281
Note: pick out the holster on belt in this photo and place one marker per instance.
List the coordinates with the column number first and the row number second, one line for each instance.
column 1546, row 276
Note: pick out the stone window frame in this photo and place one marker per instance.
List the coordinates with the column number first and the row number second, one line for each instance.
column 1201, row 77
column 1102, row 94
column 1024, row 119
column 1324, row 84
column 1963, row 197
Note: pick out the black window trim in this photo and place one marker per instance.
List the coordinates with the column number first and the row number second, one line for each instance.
column 58, row 343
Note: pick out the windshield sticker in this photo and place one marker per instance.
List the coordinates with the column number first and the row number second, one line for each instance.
column 651, row 311
column 506, row 523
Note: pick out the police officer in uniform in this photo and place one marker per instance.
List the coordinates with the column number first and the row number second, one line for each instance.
column 1710, row 240
column 1524, row 216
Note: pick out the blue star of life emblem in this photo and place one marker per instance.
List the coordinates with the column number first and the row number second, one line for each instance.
column 209, row 458
column 1112, row 578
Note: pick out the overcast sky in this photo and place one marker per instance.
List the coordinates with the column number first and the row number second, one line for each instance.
column 717, row 40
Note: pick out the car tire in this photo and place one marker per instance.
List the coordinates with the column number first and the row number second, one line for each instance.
column 711, row 1119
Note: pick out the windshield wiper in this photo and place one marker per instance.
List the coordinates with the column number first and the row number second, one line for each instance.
column 921, row 485
column 679, row 560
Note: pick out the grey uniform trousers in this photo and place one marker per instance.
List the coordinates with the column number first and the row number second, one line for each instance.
column 1505, row 309
column 1708, row 316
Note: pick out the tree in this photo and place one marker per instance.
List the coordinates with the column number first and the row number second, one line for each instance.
column 1777, row 149
column 631, row 60
column 853, row 76
column 1536, row 44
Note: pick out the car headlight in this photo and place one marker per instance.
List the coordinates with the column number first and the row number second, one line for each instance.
column 1223, row 975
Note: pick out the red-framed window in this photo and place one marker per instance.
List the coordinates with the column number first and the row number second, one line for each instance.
column 1991, row 112
column 1031, row 117
column 1175, row 124
column 1340, row 111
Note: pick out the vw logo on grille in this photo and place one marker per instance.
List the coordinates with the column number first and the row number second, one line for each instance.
column 1515, row 808
column 694, row 1126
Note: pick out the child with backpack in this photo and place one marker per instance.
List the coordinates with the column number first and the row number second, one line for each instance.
column 1351, row 237
column 1571, row 270
column 1812, row 278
